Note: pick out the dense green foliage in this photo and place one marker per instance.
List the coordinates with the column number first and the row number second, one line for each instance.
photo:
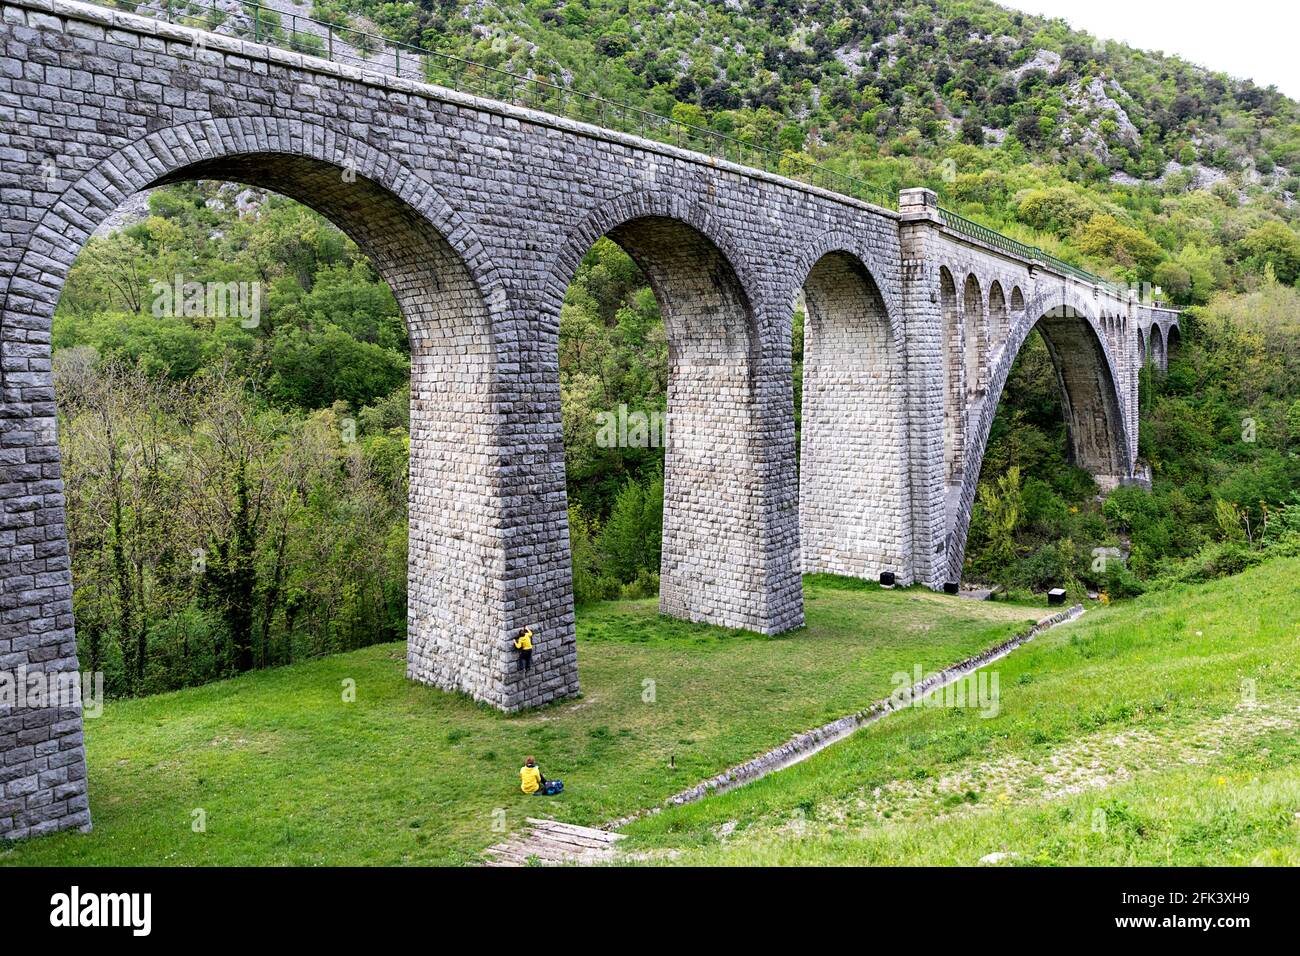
column 236, row 483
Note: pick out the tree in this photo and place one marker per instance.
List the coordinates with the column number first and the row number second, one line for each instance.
column 972, row 130
column 1105, row 237
column 1273, row 244
column 633, row 534
column 1001, row 504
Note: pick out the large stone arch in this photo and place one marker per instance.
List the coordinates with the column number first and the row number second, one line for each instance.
column 1091, row 392
column 462, row 605
column 730, row 524
column 854, row 490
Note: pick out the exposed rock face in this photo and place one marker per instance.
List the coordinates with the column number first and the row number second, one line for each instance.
column 1045, row 60
column 1091, row 106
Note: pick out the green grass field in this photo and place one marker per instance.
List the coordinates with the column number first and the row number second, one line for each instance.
column 1162, row 731
column 285, row 772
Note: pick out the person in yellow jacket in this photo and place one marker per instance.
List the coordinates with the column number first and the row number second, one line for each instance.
column 524, row 645
column 531, row 780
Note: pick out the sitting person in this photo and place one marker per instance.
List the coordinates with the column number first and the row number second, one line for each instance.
column 531, row 780
column 534, row 784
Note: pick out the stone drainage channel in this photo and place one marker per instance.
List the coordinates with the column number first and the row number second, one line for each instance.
column 798, row 748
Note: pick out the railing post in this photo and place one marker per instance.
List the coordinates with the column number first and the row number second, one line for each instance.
column 257, row 24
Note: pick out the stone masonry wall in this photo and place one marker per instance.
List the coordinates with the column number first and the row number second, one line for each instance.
column 854, row 499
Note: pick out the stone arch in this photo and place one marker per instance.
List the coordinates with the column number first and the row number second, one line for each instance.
column 164, row 155
column 854, row 490
column 460, row 606
column 1159, row 355
column 1141, row 347
column 646, row 207
column 462, row 343
column 974, row 339
column 1017, row 302
column 1091, row 393
column 729, row 524
column 837, row 240
column 999, row 318
column 1173, row 339
column 954, row 397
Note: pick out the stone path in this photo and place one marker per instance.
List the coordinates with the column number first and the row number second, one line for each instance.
column 549, row 842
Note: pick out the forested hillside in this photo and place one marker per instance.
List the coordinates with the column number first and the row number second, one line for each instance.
column 237, row 491
column 895, row 92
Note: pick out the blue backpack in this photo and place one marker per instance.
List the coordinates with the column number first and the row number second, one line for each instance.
column 552, row 787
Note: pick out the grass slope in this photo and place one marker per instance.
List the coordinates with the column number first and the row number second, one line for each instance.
column 1158, row 732
column 285, row 772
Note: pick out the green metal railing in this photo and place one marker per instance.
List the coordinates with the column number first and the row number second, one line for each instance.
column 997, row 240
column 343, row 44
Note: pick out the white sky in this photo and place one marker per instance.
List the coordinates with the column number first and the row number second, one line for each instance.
column 1256, row 39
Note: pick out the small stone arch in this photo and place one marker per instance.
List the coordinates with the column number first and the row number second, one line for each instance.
column 999, row 318
column 1016, row 304
column 1173, row 339
column 1157, row 350
column 954, row 399
column 974, row 344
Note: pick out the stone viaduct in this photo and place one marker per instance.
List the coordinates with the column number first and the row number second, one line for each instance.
column 477, row 213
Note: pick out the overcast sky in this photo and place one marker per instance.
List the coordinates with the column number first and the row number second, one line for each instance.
column 1257, row 39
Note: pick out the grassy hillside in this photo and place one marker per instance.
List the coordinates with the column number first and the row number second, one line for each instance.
column 286, row 772
column 1163, row 731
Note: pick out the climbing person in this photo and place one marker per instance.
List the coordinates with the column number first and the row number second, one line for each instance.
column 524, row 645
column 534, row 784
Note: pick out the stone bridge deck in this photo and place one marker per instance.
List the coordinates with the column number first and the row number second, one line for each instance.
column 476, row 213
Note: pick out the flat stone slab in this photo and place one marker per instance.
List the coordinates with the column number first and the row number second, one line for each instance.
column 552, row 843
